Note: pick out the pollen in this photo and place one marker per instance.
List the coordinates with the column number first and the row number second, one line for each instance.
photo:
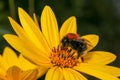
column 64, row 57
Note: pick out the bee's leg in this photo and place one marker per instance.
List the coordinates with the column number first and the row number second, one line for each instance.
column 88, row 42
column 82, row 59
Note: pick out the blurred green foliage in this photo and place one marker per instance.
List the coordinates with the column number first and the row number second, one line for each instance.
column 100, row 17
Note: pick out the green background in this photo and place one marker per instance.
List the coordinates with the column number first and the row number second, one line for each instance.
column 101, row 17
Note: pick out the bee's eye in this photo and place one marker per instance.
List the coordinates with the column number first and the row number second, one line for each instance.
column 65, row 41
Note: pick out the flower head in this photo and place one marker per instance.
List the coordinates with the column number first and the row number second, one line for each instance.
column 16, row 68
column 61, row 61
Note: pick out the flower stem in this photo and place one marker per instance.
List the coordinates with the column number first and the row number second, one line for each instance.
column 31, row 7
column 12, row 8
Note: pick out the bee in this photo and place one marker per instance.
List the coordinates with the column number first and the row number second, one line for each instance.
column 75, row 42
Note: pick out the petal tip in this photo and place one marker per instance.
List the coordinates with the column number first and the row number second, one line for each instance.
column 6, row 48
column 6, row 36
column 10, row 19
column 47, row 8
column 95, row 36
column 20, row 10
column 73, row 17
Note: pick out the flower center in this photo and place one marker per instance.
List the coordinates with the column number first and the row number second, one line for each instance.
column 66, row 57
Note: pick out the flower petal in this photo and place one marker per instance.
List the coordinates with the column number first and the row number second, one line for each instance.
column 92, row 40
column 3, row 66
column 42, row 70
column 99, row 57
column 98, row 71
column 32, row 31
column 17, row 28
column 24, row 64
column 2, row 77
column 71, row 74
column 29, row 75
column 35, row 20
column 2, row 73
column 31, row 53
column 21, row 33
column 13, row 73
column 10, row 57
column 54, row 73
column 69, row 26
column 50, row 27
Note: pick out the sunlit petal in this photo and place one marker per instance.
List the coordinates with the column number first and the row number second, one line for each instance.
column 17, row 28
column 3, row 66
column 54, row 73
column 25, row 64
column 21, row 33
column 71, row 74
column 49, row 27
column 69, row 26
column 32, row 31
column 110, row 70
column 10, row 57
column 38, row 56
column 97, row 71
column 99, row 57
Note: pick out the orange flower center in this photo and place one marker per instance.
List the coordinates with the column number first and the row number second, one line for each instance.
column 66, row 57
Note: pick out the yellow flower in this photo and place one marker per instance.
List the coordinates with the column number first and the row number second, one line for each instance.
column 43, row 48
column 16, row 68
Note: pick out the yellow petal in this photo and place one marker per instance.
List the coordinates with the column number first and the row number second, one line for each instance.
column 2, row 77
column 3, row 66
column 24, row 64
column 2, row 72
column 29, row 75
column 91, row 40
column 71, row 74
column 99, row 57
column 13, row 73
column 50, row 27
column 32, row 31
column 35, row 19
column 10, row 57
column 69, row 26
column 31, row 53
column 21, row 33
column 42, row 70
column 17, row 28
column 54, row 73
column 115, row 71
column 97, row 71
column 18, row 43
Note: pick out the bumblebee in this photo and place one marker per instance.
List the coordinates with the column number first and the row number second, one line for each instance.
column 75, row 42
